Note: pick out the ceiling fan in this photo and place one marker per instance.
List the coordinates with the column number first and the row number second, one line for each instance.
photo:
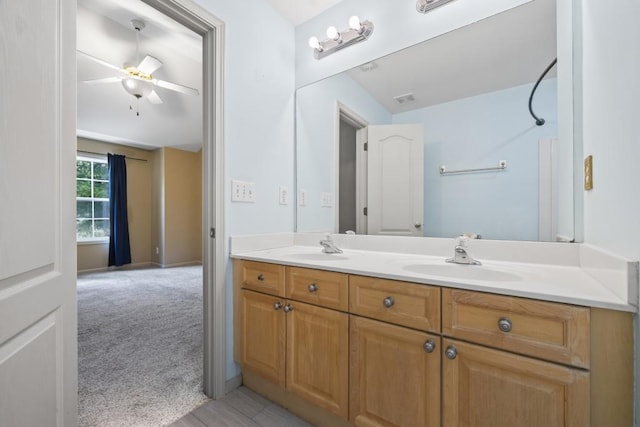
column 138, row 80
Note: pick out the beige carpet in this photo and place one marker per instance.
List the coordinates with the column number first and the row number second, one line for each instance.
column 139, row 346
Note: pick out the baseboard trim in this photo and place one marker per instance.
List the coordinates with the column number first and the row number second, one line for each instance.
column 233, row 383
column 114, row 268
column 177, row 264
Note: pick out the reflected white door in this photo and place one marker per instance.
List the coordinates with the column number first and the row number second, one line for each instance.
column 38, row 362
column 395, row 180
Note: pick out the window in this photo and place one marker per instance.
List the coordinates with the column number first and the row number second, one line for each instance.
column 92, row 199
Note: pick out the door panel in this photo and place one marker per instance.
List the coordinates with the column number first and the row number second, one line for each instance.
column 38, row 362
column 394, row 381
column 491, row 388
column 318, row 356
column 262, row 329
column 395, row 180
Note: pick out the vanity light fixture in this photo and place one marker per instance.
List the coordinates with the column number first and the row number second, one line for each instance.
column 424, row 6
column 336, row 40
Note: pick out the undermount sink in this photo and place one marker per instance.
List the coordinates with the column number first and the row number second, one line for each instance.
column 462, row 271
column 320, row 256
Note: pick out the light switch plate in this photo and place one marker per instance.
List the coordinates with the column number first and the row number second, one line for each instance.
column 283, row 197
column 588, row 173
column 302, row 198
column 242, row 191
column 326, row 200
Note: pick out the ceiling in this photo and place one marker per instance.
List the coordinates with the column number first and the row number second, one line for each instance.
column 299, row 11
column 499, row 52
column 105, row 32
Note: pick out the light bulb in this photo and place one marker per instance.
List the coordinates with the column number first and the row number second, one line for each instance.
column 314, row 43
column 354, row 23
column 332, row 33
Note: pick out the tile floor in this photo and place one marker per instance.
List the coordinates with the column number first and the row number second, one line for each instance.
column 240, row 408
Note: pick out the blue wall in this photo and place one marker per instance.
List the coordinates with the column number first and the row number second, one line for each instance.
column 259, row 83
column 478, row 132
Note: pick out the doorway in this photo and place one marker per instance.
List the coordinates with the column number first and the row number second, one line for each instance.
column 211, row 30
column 351, row 172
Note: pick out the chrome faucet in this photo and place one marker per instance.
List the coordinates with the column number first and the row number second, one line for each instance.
column 328, row 247
column 461, row 255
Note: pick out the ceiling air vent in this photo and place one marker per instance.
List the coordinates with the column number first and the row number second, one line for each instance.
column 369, row 66
column 403, row 99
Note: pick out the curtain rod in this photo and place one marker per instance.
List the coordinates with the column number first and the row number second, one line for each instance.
column 102, row 154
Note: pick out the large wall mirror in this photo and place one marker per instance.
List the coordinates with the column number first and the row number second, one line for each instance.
column 456, row 103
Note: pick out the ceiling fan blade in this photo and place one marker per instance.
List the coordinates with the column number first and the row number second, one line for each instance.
column 100, row 61
column 101, row 81
column 149, row 64
column 154, row 98
column 176, row 87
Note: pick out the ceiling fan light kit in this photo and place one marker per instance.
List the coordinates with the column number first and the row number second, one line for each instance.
column 138, row 81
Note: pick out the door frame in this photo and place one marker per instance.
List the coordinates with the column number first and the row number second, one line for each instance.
column 360, row 123
column 212, row 30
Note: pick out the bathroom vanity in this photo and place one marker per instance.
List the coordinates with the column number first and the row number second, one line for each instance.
column 340, row 343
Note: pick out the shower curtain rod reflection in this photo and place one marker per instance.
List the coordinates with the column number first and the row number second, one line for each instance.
column 103, row 154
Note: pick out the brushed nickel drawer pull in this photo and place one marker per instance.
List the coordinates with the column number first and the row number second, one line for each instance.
column 288, row 308
column 388, row 302
column 277, row 306
column 451, row 352
column 505, row 324
column 429, row 346
column 261, row 277
column 312, row 287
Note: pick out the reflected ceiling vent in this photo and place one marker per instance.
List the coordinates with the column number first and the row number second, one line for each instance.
column 369, row 66
column 403, row 99
column 424, row 6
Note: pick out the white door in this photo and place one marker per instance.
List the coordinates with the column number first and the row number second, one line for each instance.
column 395, row 180
column 38, row 362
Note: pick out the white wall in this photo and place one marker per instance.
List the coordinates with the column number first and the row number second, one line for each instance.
column 396, row 25
column 610, row 90
column 478, row 132
column 611, row 61
column 258, row 122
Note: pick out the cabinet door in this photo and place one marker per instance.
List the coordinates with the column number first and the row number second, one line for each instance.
column 262, row 335
column 395, row 375
column 318, row 356
column 483, row 387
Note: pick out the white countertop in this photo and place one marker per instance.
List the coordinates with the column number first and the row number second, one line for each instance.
column 549, row 282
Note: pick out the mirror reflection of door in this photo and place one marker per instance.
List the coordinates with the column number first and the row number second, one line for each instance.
column 395, row 184
column 380, row 178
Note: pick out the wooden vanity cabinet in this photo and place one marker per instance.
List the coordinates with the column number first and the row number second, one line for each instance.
column 511, row 361
column 343, row 350
column 301, row 347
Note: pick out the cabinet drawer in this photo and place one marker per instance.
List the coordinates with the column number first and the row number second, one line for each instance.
column 406, row 304
column 263, row 277
column 324, row 288
column 551, row 331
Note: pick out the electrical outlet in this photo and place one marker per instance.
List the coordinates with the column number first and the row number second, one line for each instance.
column 283, row 197
column 242, row 191
column 302, row 198
column 326, row 200
column 157, row 251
